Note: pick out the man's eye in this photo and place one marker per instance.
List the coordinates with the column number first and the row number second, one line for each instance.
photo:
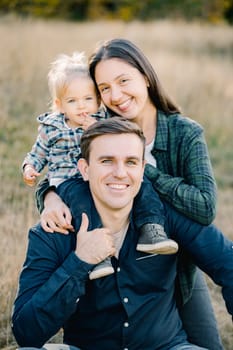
column 131, row 162
column 106, row 161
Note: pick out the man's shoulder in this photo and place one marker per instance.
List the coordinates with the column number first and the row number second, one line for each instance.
column 53, row 241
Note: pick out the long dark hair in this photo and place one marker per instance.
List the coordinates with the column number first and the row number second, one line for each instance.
column 126, row 51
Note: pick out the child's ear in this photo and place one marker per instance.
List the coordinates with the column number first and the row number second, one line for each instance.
column 58, row 105
column 83, row 168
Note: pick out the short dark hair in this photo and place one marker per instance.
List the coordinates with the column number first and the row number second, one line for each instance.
column 128, row 52
column 112, row 126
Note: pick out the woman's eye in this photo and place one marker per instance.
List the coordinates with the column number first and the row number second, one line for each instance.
column 123, row 81
column 104, row 89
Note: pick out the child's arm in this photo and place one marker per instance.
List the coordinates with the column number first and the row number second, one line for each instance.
column 37, row 158
column 30, row 174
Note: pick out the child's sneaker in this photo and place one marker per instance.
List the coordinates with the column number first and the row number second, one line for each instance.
column 102, row 269
column 154, row 240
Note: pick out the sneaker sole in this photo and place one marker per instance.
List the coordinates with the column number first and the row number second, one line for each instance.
column 98, row 273
column 159, row 248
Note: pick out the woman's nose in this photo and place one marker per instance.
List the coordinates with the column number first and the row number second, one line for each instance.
column 116, row 93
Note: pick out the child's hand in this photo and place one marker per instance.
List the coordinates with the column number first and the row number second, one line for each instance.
column 87, row 121
column 30, row 175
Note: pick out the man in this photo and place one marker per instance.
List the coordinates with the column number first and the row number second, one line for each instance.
column 135, row 307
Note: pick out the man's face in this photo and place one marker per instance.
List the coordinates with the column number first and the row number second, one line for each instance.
column 115, row 170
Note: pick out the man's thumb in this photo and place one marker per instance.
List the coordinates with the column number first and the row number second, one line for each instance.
column 84, row 223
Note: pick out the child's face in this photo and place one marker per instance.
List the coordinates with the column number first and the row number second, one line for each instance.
column 78, row 100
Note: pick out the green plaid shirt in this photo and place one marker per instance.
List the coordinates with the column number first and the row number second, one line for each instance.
column 184, row 175
column 184, row 178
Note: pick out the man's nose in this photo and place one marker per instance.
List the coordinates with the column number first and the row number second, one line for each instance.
column 120, row 170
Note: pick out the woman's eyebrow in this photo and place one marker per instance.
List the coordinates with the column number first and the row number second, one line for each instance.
column 115, row 78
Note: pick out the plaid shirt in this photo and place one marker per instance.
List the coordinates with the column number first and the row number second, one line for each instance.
column 184, row 178
column 57, row 146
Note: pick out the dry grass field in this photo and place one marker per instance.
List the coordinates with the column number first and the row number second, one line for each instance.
column 195, row 64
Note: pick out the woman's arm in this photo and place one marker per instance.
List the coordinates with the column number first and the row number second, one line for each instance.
column 192, row 187
column 55, row 214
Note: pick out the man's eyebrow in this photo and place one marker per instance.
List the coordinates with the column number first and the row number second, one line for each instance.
column 130, row 157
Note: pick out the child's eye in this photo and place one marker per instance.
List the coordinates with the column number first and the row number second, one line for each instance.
column 89, row 98
column 70, row 100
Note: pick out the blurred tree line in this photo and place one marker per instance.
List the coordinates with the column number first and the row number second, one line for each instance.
column 207, row 10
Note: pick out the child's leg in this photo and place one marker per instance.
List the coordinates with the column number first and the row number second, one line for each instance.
column 149, row 219
column 148, row 208
column 76, row 194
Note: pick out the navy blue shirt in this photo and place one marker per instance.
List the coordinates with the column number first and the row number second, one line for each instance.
column 134, row 308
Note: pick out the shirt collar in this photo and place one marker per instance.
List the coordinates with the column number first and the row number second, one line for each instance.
column 161, row 138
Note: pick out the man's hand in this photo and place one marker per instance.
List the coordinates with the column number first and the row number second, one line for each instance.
column 56, row 216
column 94, row 246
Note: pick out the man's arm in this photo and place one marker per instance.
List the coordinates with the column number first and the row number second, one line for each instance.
column 54, row 278
column 51, row 282
column 209, row 248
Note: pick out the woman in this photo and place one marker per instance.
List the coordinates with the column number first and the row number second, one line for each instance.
column 179, row 166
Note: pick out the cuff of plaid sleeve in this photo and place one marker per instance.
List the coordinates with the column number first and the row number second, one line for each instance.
column 151, row 172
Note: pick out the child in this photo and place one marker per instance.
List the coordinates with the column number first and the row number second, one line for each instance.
column 75, row 106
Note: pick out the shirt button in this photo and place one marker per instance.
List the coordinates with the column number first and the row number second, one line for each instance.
column 126, row 324
column 126, row 300
column 118, row 269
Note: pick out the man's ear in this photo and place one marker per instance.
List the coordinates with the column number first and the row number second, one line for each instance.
column 83, row 168
column 143, row 166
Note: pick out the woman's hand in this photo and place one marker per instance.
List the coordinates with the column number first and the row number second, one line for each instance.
column 56, row 216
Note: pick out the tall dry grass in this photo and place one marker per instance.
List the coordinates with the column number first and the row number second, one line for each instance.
column 195, row 64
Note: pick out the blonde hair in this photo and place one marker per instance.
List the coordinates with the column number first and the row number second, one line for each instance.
column 62, row 72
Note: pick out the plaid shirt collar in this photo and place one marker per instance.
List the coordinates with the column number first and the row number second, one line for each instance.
column 161, row 138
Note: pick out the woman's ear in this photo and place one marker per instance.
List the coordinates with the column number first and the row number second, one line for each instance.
column 83, row 168
column 147, row 81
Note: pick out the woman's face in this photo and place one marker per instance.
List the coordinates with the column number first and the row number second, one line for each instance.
column 123, row 89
